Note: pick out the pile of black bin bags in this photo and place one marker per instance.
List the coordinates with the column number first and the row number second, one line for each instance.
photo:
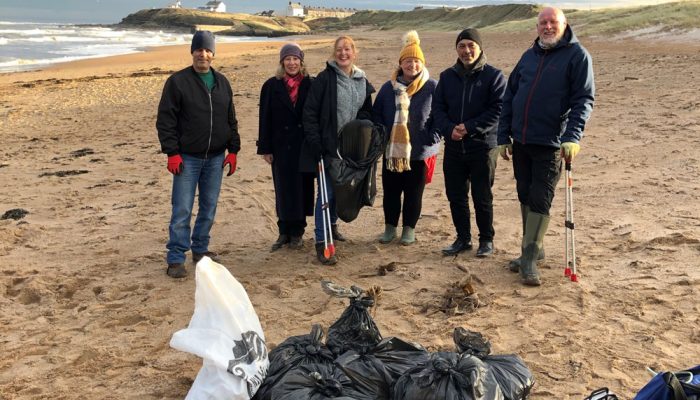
column 356, row 363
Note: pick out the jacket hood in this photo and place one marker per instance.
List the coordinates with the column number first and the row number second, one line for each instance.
column 357, row 73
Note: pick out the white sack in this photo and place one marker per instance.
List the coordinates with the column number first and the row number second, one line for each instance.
column 226, row 333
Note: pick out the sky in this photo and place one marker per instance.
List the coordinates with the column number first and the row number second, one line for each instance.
column 112, row 11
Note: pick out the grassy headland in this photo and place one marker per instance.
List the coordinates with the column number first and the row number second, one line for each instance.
column 679, row 16
column 226, row 23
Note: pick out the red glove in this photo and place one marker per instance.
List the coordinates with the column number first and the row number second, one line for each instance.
column 175, row 164
column 231, row 162
column 430, row 168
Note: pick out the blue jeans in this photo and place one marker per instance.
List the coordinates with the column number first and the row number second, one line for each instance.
column 318, row 215
column 205, row 175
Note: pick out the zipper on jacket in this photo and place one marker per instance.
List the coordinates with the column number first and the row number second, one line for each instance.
column 532, row 93
column 461, row 110
column 211, row 125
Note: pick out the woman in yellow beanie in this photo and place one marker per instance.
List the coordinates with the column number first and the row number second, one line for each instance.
column 403, row 106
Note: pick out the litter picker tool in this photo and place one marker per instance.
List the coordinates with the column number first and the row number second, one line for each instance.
column 328, row 246
column 570, row 270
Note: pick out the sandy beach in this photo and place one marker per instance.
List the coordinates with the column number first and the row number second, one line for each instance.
column 88, row 311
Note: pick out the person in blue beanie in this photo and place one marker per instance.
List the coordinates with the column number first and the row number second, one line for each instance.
column 196, row 126
column 548, row 100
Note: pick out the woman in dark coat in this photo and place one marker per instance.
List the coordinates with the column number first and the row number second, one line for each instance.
column 282, row 101
column 339, row 94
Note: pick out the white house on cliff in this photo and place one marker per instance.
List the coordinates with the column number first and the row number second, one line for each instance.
column 214, row 6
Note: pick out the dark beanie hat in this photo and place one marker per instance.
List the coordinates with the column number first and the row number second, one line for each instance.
column 471, row 34
column 203, row 40
column 291, row 49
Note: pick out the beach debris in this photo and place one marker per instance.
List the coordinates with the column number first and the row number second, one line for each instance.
column 335, row 290
column 470, row 342
column 385, row 269
column 82, row 152
column 62, row 174
column 459, row 299
column 15, row 213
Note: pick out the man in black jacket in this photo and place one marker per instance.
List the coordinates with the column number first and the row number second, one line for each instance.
column 196, row 125
column 466, row 106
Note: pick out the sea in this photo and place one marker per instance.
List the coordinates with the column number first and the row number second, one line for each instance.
column 29, row 45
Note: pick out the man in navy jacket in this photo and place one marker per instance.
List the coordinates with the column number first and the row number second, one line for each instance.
column 548, row 100
column 466, row 106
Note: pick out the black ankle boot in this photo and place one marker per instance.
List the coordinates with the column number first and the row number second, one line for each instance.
column 281, row 241
column 296, row 242
column 336, row 235
column 457, row 247
column 320, row 247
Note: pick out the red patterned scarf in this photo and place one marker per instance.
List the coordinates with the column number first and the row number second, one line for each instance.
column 292, row 83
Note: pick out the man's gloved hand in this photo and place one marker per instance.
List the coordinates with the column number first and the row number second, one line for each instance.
column 230, row 160
column 505, row 150
column 569, row 150
column 175, row 164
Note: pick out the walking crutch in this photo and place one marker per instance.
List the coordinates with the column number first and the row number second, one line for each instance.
column 328, row 246
column 570, row 270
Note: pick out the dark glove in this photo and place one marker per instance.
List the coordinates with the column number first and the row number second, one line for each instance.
column 316, row 150
column 230, row 160
column 175, row 164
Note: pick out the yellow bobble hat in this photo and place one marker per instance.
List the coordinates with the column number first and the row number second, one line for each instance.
column 411, row 47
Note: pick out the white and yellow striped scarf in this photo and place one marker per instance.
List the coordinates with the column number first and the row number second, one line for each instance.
column 398, row 151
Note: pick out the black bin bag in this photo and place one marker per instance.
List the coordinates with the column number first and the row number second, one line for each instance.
column 355, row 329
column 513, row 376
column 293, row 352
column 354, row 172
column 375, row 371
column 316, row 382
column 510, row 372
column 398, row 356
column 367, row 373
column 447, row 376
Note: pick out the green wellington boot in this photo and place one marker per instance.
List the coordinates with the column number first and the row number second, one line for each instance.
column 389, row 234
column 514, row 265
column 408, row 235
column 535, row 229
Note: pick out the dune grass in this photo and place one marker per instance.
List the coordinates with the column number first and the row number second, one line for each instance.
column 679, row 16
column 435, row 19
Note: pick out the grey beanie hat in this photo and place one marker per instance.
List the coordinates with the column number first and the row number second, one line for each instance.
column 203, row 40
column 471, row 34
column 291, row 49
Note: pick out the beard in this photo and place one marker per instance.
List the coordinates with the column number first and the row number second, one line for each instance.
column 550, row 42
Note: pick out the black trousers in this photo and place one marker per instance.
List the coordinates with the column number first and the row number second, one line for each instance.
column 475, row 170
column 409, row 183
column 292, row 228
column 537, row 170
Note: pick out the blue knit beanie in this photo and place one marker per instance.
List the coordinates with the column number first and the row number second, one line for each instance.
column 203, row 40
